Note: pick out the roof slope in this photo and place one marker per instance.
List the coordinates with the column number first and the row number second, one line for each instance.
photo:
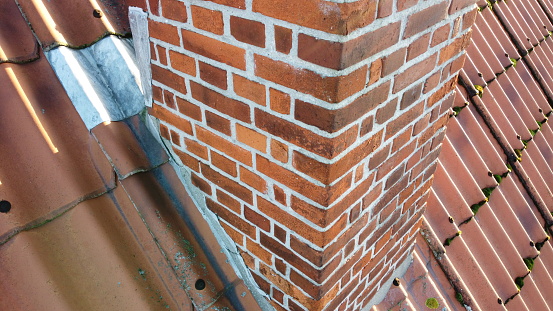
column 91, row 220
column 488, row 214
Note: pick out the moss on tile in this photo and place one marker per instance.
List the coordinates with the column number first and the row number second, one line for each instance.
column 479, row 89
column 449, row 240
column 529, row 262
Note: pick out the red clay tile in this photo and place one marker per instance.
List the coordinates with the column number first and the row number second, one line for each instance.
column 17, row 43
column 73, row 23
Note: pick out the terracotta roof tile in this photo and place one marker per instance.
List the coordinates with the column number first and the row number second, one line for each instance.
column 17, row 43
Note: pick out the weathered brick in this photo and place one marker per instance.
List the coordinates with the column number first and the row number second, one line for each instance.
column 228, row 106
column 169, row 117
column 239, row 154
column 224, row 164
column 214, row 49
column 229, row 201
column 239, row 4
column 330, row 89
column 188, row 160
column 208, row 20
column 393, row 61
column 341, row 55
column 418, row 47
column 169, row 99
column 247, row 31
column 455, row 47
column 337, row 18
column 283, row 39
column 253, row 180
column 175, row 138
column 402, row 121
column 375, row 71
column 405, row 4
column 169, row 79
column 251, row 138
column 173, row 9
column 201, row 184
column 297, row 135
column 231, row 218
column 196, row 148
column 279, row 233
column 366, row 126
column 280, row 101
column 258, row 220
column 385, row 8
column 164, row 32
column 410, row 96
column 440, row 35
column 217, row 123
column 458, row 5
column 228, row 185
column 279, row 151
column 426, row 18
column 334, row 120
column 164, row 131
column 162, row 53
column 189, row 109
column 414, row 73
column 213, row 75
column 469, row 18
column 248, row 89
column 183, row 63
column 385, row 113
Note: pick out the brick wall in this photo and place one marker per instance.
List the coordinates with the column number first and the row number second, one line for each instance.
column 312, row 128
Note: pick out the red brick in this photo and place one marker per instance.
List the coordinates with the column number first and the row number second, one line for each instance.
column 402, row 121
column 201, row 184
column 297, row 135
column 458, row 5
column 414, row 73
column 213, row 75
column 183, row 63
column 157, row 93
column 276, row 294
column 431, row 82
column 393, row 61
column 440, row 35
column 224, row 164
column 402, row 139
column 251, row 138
column 426, row 18
column 189, row 109
column 229, row 202
column 418, row 47
column 175, row 138
column 164, row 131
column 337, row 18
column 173, row 9
column 217, row 123
column 247, row 31
column 385, row 8
column 454, row 48
column 375, row 71
column 341, row 55
column 248, row 89
column 169, row 99
column 410, row 96
column 231, row 218
column 379, row 157
column 330, row 89
column 169, row 117
column 328, row 173
column 253, row 180
column 188, row 160
column 366, row 126
column 279, row 151
column 394, row 176
column 227, row 184
column 239, row 154
column 336, row 119
column 164, row 32
column 405, row 4
column 238, row 238
column 208, row 20
column 359, row 173
column 162, row 53
column 169, row 79
column 469, row 18
column 214, row 49
column 279, row 195
column 280, row 101
column 223, row 104
column 385, row 113
column 283, row 39
column 258, row 220
column 154, row 6
column 239, row 4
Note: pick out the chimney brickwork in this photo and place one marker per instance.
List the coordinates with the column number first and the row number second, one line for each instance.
column 312, row 128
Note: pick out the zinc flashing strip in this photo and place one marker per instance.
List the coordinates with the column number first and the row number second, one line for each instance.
column 138, row 20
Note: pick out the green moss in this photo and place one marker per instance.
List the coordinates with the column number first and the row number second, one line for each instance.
column 533, row 132
column 539, row 245
column 459, row 298
column 519, row 282
column 518, row 153
column 529, row 262
column 432, row 303
column 513, row 61
column 475, row 207
column 488, row 191
column 449, row 240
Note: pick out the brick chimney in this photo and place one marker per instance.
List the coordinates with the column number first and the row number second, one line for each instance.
column 312, row 128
